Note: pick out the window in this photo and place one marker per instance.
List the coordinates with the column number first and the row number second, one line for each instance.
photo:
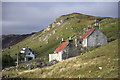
column 97, row 35
column 28, row 53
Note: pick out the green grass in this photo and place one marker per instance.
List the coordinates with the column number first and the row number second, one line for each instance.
column 83, row 66
column 73, row 27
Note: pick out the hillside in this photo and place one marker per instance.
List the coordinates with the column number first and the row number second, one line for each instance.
column 10, row 40
column 101, row 62
column 47, row 40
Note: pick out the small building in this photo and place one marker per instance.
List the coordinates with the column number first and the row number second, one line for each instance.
column 29, row 54
column 93, row 37
column 78, row 42
column 64, row 51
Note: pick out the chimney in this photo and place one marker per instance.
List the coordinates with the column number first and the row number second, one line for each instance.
column 62, row 41
column 76, row 44
column 85, row 30
column 97, row 24
column 96, row 27
column 70, row 40
column 89, row 27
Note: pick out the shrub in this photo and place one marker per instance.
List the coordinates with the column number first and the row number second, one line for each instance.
column 7, row 60
column 110, row 39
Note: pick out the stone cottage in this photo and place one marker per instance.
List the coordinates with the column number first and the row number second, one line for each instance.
column 29, row 55
column 64, row 51
column 93, row 37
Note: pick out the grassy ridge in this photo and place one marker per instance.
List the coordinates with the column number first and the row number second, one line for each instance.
column 83, row 66
column 72, row 26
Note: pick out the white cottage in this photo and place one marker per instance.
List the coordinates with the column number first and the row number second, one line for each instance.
column 64, row 51
column 29, row 55
column 93, row 37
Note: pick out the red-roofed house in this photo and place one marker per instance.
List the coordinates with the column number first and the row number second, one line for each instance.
column 93, row 37
column 64, row 51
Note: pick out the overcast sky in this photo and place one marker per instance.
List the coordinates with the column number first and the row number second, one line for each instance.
column 28, row 17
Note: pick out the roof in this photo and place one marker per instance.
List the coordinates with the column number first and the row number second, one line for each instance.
column 88, row 33
column 61, row 47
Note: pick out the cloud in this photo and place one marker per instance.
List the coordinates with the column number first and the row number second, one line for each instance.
column 60, row 0
column 25, row 17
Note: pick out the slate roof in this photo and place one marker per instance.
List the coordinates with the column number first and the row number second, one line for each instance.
column 61, row 47
column 88, row 33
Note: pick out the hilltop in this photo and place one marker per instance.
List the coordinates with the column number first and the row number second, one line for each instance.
column 70, row 25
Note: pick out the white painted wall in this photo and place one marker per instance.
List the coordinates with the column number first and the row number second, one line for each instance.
column 60, row 56
column 31, row 55
column 84, row 43
column 52, row 57
column 55, row 56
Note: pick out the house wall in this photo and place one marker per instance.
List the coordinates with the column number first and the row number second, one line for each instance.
column 60, row 56
column 96, row 38
column 70, row 51
column 52, row 57
column 65, row 53
column 31, row 55
column 55, row 56
column 78, row 42
column 84, row 43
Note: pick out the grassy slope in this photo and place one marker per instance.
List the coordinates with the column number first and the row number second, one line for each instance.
column 83, row 66
column 73, row 27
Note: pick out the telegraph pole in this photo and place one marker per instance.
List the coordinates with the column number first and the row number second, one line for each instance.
column 17, row 56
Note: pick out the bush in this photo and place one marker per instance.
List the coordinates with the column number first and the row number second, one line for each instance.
column 110, row 39
column 7, row 60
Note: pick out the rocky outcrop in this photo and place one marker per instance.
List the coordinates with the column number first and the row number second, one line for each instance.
column 57, row 22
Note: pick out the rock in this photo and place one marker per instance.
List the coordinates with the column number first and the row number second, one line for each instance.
column 57, row 37
column 66, row 19
column 27, row 65
column 45, row 64
column 58, row 23
column 61, row 21
column 7, row 76
column 113, row 67
column 99, row 76
column 29, row 68
column 78, row 21
column 100, row 68
column 16, row 73
column 81, row 53
column 54, row 62
column 54, row 31
column 6, row 69
column 53, row 25
column 89, row 71
column 3, row 70
column 3, row 77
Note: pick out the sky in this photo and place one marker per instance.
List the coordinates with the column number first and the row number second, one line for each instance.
column 28, row 17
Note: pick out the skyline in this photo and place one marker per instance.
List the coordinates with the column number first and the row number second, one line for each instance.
column 28, row 17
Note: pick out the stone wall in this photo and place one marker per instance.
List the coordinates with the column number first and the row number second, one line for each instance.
column 97, row 38
column 70, row 51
